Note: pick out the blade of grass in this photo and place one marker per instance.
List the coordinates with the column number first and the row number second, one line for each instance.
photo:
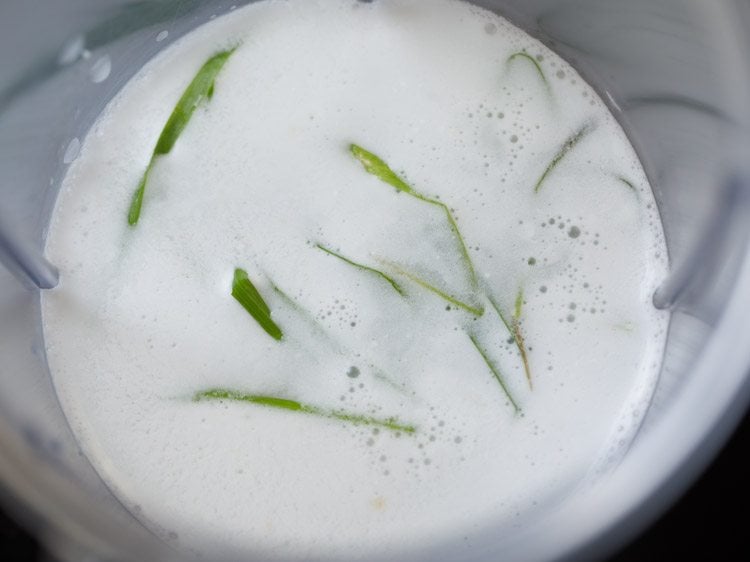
column 248, row 296
column 136, row 204
column 390, row 280
column 496, row 373
column 377, row 167
column 627, row 183
column 476, row 311
column 201, row 87
column 569, row 145
column 391, row 424
column 525, row 56
column 374, row 165
column 518, row 308
column 514, row 329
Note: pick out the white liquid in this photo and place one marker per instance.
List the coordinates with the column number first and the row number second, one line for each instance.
column 144, row 318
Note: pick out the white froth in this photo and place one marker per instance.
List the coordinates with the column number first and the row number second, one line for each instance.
column 143, row 318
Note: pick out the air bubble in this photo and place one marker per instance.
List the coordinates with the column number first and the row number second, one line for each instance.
column 162, row 35
column 574, row 232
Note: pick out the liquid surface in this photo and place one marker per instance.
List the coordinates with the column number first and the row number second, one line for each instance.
column 555, row 230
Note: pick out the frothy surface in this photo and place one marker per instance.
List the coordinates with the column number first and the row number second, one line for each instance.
column 263, row 174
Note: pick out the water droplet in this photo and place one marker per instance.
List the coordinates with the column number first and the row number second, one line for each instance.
column 72, row 151
column 101, row 69
column 71, row 50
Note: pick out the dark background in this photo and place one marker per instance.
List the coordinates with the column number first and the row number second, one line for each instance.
column 710, row 522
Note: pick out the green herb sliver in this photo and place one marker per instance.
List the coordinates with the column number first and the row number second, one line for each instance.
column 374, row 165
column 514, row 328
column 248, row 296
column 202, row 87
column 496, row 373
column 627, row 183
column 518, row 307
column 389, row 279
column 565, row 149
column 391, row 424
column 475, row 310
column 134, row 213
column 525, row 56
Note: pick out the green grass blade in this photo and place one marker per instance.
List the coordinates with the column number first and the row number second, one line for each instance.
column 518, row 308
column 500, row 314
column 374, row 165
column 496, row 373
column 202, row 87
column 475, row 310
column 271, row 402
column 565, row 149
column 378, row 168
column 461, row 243
column 514, row 329
column 391, row 424
column 243, row 284
column 248, row 296
column 134, row 213
column 387, row 278
column 525, row 56
column 627, row 183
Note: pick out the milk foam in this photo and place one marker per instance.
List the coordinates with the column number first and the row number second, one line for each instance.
column 143, row 318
